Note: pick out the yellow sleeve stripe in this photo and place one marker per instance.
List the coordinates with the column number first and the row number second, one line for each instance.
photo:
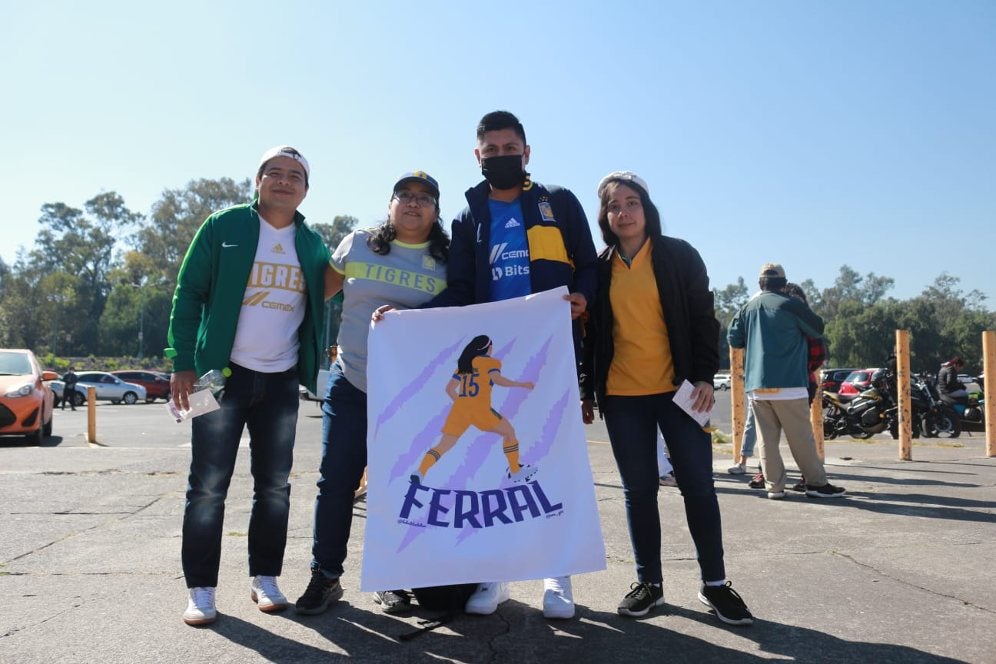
column 546, row 243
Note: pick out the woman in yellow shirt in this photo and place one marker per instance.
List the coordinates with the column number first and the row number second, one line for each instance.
column 651, row 328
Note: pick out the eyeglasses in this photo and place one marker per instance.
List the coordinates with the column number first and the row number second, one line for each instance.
column 422, row 200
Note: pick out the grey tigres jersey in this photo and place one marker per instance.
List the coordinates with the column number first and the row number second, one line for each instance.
column 405, row 278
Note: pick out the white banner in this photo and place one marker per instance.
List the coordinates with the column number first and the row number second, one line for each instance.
column 453, row 507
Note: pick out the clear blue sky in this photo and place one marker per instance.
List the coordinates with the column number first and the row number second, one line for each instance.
column 809, row 133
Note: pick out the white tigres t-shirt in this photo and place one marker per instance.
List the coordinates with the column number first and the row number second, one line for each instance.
column 266, row 339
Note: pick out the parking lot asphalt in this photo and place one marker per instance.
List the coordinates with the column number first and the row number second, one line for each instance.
column 899, row 571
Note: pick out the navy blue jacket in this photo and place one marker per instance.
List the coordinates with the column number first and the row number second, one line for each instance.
column 561, row 251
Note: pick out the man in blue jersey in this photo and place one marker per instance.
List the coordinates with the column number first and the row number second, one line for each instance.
column 517, row 237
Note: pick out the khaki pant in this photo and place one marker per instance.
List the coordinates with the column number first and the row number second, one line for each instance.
column 792, row 416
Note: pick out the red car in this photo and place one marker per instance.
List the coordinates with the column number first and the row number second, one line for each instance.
column 156, row 384
column 832, row 378
column 856, row 383
column 26, row 400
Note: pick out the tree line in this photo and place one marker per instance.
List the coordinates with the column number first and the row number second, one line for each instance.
column 861, row 320
column 99, row 281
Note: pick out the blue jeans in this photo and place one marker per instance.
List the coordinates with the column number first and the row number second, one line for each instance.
column 267, row 403
column 344, row 456
column 632, row 423
column 750, row 433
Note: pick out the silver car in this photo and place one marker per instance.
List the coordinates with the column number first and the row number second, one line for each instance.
column 108, row 388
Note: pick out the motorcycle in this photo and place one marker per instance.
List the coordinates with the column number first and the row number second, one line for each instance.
column 936, row 418
column 870, row 412
column 972, row 414
column 965, row 414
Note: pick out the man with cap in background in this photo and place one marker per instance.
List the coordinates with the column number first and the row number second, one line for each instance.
column 773, row 328
column 249, row 300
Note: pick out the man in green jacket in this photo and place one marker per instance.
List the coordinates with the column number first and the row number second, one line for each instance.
column 249, row 300
column 773, row 328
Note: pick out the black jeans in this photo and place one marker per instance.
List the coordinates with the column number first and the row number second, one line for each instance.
column 267, row 403
column 632, row 424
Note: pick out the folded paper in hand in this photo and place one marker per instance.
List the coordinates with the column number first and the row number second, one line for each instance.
column 683, row 399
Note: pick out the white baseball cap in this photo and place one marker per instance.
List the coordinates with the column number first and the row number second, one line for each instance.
column 285, row 151
column 625, row 177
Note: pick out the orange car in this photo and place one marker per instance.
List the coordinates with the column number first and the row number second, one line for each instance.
column 26, row 400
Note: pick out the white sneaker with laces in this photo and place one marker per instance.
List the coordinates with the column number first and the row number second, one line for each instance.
column 266, row 594
column 487, row 597
column 524, row 473
column 200, row 607
column 558, row 599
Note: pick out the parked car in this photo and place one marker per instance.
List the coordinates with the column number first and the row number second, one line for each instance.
column 970, row 383
column 857, row 382
column 721, row 381
column 830, row 379
column 26, row 399
column 156, row 384
column 108, row 387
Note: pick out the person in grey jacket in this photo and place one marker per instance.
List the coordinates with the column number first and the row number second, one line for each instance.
column 773, row 327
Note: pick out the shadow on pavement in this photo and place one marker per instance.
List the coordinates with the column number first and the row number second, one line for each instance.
column 808, row 645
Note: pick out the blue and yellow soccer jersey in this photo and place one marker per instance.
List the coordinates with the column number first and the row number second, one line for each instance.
column 473, row 403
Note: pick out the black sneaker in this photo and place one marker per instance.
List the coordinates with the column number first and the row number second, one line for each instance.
column 393, row 601
column 640, row 599
column 321, row 592
column 727, row 604
column 757, row 482
column 826, row 491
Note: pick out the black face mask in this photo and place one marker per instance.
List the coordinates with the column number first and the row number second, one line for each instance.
column 503, row 172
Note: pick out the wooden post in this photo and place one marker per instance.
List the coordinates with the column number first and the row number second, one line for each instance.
column 989, row 388
column 737, row 415
column 903, row 389
column 91, row 415
column 816, row 420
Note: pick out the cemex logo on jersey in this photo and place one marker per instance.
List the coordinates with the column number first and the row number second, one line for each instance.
column 499, row 255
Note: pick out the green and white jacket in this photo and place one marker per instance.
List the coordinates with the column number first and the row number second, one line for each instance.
column 212, row 281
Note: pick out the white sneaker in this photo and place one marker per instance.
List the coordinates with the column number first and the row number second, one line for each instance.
column 266, row 594
column 200, row 607
column 558, row 600
column 524, row 473
column 487, row 597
